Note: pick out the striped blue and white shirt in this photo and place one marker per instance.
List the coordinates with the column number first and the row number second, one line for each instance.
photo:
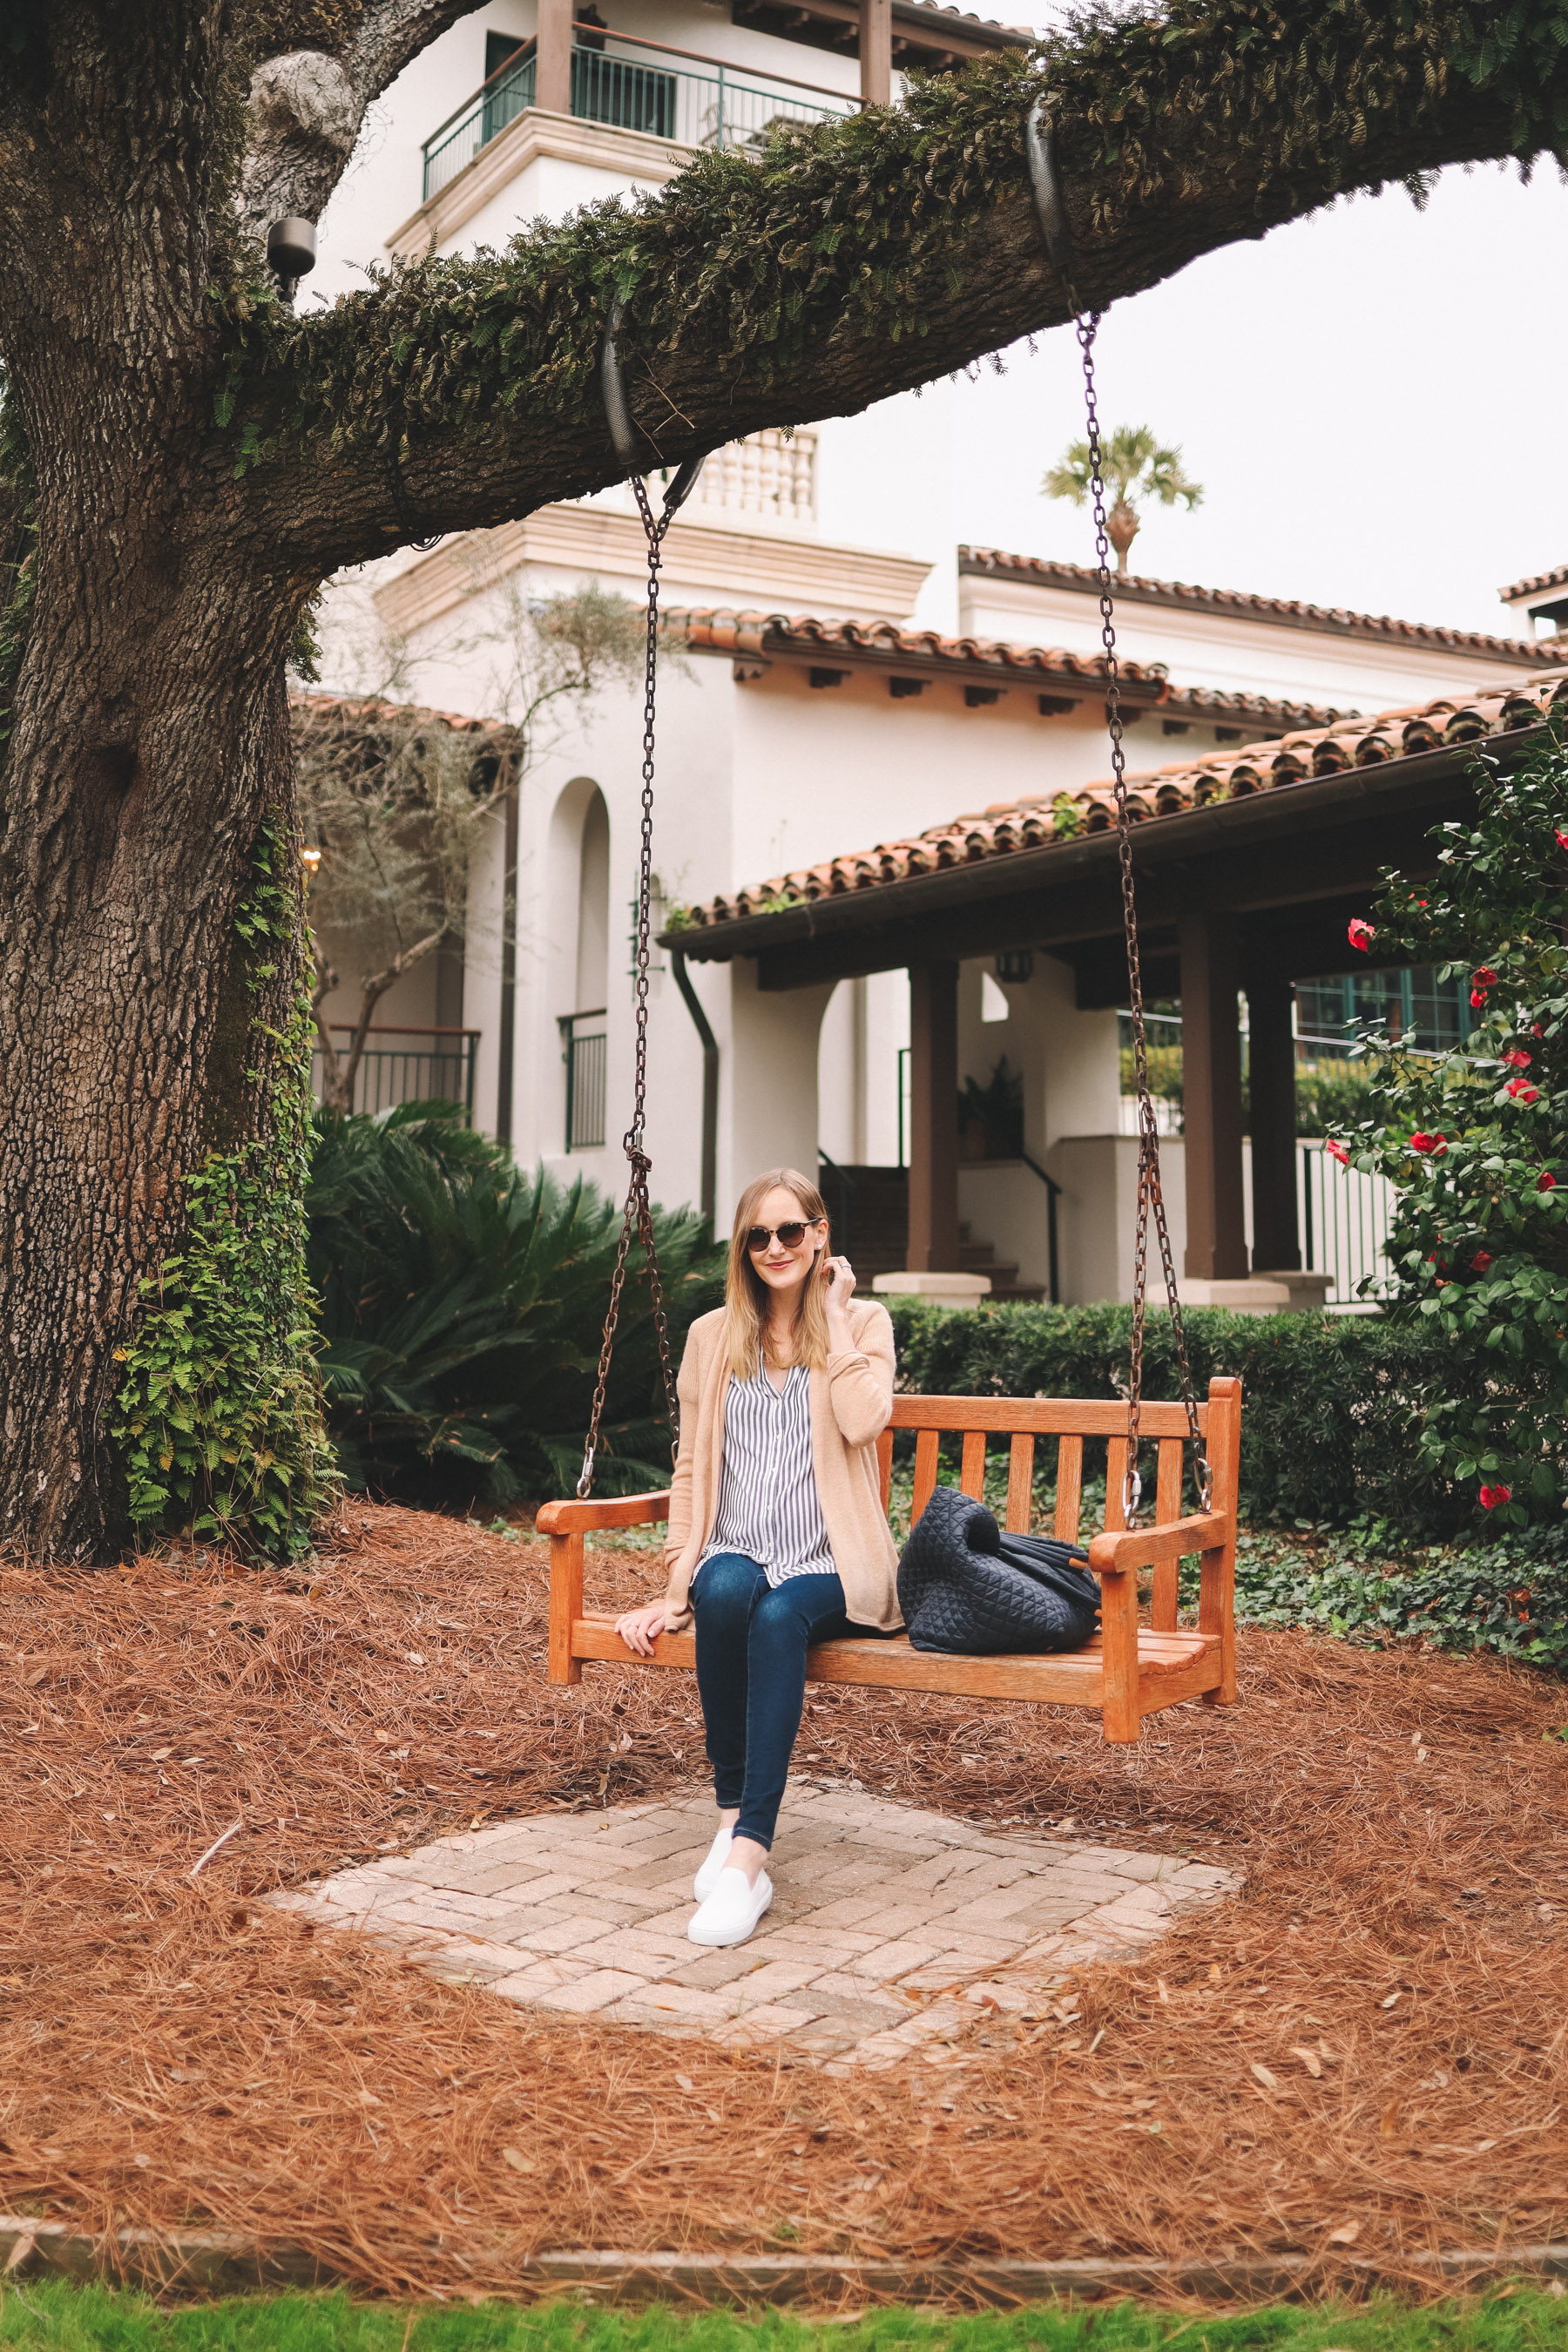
column 768, row 1504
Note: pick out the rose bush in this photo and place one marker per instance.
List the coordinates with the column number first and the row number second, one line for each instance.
column 1476, row 1139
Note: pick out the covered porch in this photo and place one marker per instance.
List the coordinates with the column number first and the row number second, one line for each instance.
column 1248, row 868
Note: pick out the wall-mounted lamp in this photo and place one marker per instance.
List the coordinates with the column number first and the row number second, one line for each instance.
column 309, row 859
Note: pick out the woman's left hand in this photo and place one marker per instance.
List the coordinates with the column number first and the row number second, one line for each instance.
column 840, row 1286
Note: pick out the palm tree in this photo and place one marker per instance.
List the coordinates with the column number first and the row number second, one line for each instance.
column 1133, row 464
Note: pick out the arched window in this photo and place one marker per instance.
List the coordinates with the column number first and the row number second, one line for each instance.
column 594, row 906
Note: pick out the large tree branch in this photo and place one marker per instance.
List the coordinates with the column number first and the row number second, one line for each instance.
column 308, row 105
column 857, row 259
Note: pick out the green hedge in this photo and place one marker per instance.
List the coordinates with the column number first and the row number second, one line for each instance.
column 1326, row 1399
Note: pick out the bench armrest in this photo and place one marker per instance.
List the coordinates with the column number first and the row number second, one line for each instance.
column 1134, row 1547
column 612, row 1511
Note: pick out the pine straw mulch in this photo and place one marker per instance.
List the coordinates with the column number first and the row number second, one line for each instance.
column 1366, row 2050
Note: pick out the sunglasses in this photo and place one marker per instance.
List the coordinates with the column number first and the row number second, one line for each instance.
column 759, row 1236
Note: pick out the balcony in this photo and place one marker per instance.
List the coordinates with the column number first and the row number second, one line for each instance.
column 632, row 85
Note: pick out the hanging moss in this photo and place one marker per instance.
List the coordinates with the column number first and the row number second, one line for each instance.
column 219, row 1413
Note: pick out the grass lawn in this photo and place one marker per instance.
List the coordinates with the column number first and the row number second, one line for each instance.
column 92, row 2319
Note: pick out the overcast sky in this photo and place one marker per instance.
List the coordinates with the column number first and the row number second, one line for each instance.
column 1370, row 398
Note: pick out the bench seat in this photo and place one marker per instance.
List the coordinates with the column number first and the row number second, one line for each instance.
column 1070, row 1677
column 1129, row 1670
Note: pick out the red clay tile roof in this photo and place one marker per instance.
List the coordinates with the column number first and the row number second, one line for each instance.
column 1133, row 588
column 987, row 661
column 370, row 710
column 961, row 21
column 1537, row 585
column 1033, row 823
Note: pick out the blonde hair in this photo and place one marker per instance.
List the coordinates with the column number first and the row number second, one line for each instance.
column 747, row 1329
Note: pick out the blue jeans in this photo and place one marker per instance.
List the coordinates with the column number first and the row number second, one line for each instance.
column 751, row 1641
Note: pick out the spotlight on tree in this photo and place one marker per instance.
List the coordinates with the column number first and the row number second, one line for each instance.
column 291, row 248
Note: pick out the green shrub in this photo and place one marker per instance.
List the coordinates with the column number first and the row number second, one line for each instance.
column 1332, row 1095
column 1475, row 1141
column 461, row 1308
column 1328, row 1400
column 1509, row 1596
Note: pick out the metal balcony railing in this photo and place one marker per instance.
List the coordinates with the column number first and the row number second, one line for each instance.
column 423, row 1065
column 584, row 1049
column 632, row 85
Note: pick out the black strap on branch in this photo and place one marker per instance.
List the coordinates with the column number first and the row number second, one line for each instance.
column 407, row 524
column 1050, row 212
column 639, row 1213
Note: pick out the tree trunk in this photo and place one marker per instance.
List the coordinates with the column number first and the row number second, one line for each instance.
column 1122, row 529
column 150, row 741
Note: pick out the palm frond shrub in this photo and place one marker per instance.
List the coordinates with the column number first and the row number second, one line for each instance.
column 462, row 1300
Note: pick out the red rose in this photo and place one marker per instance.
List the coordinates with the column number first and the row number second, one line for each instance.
column 1338, row 1151
column 1478, row 999
column 1481, row 1260
column 1522, row 1091
column 1360, row 934
column 1436, row 1144
column 1515, row 1059
column 1484, row 976
column 1536, row 1030
column 1562, row 840
column 1492, row 1495
column 1546, row 1182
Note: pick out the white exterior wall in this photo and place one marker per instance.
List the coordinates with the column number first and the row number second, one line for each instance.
column 830, row 771
column 758, row 777
column 1205, row 648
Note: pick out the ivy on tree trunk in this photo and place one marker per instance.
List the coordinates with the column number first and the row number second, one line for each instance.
column 184, row 462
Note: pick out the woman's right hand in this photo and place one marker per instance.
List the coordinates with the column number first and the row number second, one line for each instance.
column 638, row 1628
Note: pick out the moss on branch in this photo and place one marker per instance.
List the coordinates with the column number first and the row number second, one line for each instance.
column 1245, row 114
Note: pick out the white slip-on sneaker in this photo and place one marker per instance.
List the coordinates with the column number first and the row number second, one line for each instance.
column 718, row 1854
column 732, row 1910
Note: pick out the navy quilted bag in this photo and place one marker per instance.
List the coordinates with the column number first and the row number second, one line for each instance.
column 966, row 1586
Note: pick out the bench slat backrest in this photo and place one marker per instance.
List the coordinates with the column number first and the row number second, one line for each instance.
column 1024, row 1419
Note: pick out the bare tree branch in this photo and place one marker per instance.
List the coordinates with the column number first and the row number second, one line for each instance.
column 339, row 1071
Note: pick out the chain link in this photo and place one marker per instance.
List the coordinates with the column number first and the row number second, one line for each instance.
column 1151, row 1197
column 639, row 1215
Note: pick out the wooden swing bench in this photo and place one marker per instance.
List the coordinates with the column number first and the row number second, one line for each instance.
column 1127, row 1672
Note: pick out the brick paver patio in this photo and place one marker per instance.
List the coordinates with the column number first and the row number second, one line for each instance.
column 891, row 1928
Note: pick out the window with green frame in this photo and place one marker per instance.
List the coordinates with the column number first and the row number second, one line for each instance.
column 1414, row 1004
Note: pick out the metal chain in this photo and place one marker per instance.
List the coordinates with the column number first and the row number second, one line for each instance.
column 1150, row 1194
column 638, row 1212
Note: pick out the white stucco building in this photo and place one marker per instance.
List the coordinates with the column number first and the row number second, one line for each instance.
column 853, row 674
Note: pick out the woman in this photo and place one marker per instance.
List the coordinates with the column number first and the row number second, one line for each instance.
column 777, row 1536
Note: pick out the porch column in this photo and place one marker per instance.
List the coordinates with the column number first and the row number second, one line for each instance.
column 1211, row 1096
column 553, row 70
column 933, row 1118
column 1275, row 1248
column 875, row 51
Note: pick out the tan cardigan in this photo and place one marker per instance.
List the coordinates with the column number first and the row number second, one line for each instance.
column 850, row 1402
